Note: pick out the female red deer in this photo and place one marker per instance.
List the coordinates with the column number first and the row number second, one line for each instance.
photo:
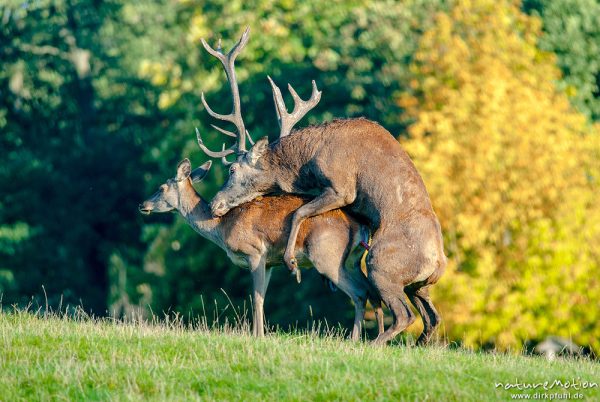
column 255, row 234
column 354, row 163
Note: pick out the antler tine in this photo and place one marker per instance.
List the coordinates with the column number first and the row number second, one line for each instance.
column 216, row 53
column 225, row 117
column 235, row 51
column 228, row 62
column 301, row 107
column 277, row 99
column 222, row 154
column 222, row 130
column 224, row 160
column 250, row 140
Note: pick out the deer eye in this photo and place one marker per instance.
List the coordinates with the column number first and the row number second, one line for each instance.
column 232, row 169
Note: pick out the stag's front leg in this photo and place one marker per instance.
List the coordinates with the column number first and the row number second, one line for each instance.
column 260, row 282
column 330, row 199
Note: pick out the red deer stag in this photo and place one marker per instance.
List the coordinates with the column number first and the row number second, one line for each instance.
column 351, row 162
column 254, row 237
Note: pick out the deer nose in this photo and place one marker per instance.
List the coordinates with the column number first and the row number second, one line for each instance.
column 143, row 209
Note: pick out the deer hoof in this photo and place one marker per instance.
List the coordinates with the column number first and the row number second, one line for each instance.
column 422, row 341
column 292, row 264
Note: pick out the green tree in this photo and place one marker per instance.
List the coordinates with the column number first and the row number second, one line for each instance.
column 74, row 119
column 572, row 31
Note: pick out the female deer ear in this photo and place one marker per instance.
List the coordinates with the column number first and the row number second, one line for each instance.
column 184, row 169
column 257, row 150
column 199, row 173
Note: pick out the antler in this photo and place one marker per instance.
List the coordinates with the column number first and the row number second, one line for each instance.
column 235, row 116
column 288, row 120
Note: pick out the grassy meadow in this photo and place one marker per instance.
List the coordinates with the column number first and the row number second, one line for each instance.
column 58, row 358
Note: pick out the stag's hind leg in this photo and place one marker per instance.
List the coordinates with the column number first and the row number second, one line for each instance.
column 395, row 299
column 419, row 297
column 390, row 266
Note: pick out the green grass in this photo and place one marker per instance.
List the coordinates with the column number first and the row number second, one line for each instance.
column 56, row 358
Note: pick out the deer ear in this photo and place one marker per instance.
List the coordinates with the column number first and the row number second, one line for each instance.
column 257, row 151
column 184, row 169
column 199, row 173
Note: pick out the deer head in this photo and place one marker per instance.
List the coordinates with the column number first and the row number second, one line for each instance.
column 248, row 177
column 170, row 194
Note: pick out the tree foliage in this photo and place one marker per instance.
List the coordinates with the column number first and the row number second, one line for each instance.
column 511, row 168
column 71, row 114
column 571, row 29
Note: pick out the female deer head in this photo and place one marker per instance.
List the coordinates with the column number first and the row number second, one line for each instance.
column 171, row 194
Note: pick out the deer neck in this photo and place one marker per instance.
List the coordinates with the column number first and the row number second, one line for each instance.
column 197, row 213
column 286, row 160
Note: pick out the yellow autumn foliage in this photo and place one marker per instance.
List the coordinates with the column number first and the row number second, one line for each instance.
column 513, row 173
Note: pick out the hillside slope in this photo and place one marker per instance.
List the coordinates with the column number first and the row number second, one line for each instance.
column 54, row 358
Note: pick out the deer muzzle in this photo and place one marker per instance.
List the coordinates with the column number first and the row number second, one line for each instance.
column 145, row 208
